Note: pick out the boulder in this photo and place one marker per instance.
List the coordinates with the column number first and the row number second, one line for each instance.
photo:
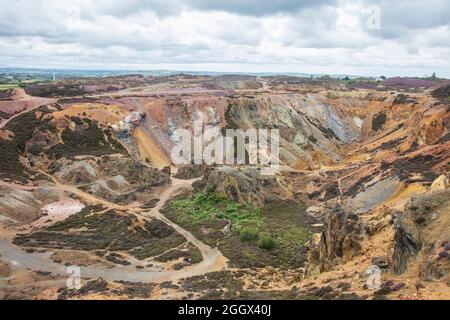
column 441, row 183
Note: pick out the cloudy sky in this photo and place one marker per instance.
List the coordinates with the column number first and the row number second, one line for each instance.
column 362, row 37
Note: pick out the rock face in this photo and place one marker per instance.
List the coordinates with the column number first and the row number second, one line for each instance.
column 381, row 262
column 245, row 185
column 311, row 130
column 419, row 232
column 127, row 125
column 407, row 243
column 340, row 241
column 441, row 183
column 442, row 93
column 86, row 171
column 190, row 172
column 24, row 205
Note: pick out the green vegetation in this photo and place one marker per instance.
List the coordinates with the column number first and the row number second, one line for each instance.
column 248, row 234
column 250, row 237
column 266, row 243
column 209, row 205
column 6, row 86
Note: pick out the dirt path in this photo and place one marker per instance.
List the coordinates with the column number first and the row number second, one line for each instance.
column 212, row 255
column 213, row 260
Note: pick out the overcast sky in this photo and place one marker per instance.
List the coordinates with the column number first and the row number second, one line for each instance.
column 401, row 37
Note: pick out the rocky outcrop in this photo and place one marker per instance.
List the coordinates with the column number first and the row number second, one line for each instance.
column 340, row 241
column 126, row 126
column 25, row 205
column 244, row 185
column 134, row 171
column 407, row 243
column 188, row 172
column 116, row 178
column 311, row 130
column 419, row 230
column 80, row 172
column 442, row 93
column 441, row 183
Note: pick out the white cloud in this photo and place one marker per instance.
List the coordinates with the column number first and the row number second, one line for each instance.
column 279, row 36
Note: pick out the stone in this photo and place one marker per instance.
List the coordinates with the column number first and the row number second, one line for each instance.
column 381, row 262
column 407, row 243
column 441, row 183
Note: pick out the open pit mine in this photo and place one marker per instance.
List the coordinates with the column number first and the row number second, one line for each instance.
column 92, row 207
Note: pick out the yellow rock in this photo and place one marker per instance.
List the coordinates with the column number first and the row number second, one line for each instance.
column 441, row 183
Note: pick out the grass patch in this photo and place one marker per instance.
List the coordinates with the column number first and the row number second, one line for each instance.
column 209, row 205
column 248, row 234
column 271, row 236
column 6, row 86
column 266, row 243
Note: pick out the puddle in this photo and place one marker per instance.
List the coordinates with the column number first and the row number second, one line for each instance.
column 58, row 211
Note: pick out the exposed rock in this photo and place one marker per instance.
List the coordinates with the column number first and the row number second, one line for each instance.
column 5, row 270
column 378, row 121
column 116, row 178
column 404, row 99
column 190, row 172
column 388, row 287
column 75, row 172
column 423, row 208
column 442, row 93
column 127, row 125
column 24, row 205
column 344, row 286
column 435, row 268
column 134, row 171
column 340, row 241
column 245, row 185
column 441, row 183
column 407, row 242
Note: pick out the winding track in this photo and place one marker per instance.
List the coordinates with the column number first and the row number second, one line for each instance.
column 213, row 260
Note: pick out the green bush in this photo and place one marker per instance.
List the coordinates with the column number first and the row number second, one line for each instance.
column 266, row 243
column 248, row 234
column 207, row 205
